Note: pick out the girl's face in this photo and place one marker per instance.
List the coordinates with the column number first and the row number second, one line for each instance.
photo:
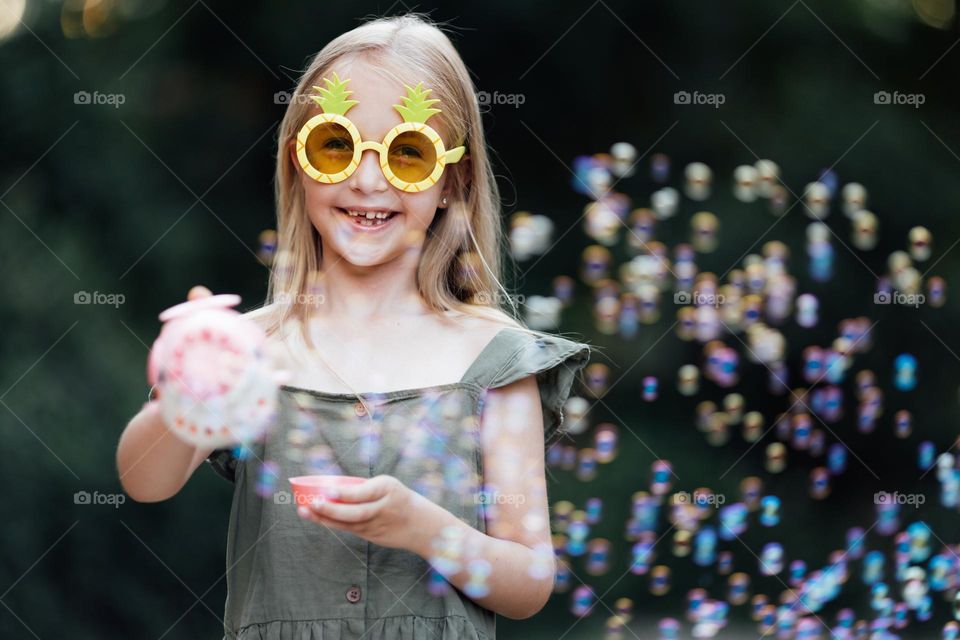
column 367, row 192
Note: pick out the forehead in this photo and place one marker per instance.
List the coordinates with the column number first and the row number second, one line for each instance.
column 370, row 83
column 376, row 90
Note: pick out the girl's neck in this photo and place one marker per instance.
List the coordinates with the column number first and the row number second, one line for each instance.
column 354, row 294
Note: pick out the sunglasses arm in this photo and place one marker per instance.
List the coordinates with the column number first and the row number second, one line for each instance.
column 453, row 155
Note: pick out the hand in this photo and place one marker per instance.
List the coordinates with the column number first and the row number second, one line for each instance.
column 382, row 510
column 196, row 292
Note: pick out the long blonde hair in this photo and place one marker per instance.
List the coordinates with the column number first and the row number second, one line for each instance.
column 460, row 265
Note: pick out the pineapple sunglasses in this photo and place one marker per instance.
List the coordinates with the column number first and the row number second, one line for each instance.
column 412, row 155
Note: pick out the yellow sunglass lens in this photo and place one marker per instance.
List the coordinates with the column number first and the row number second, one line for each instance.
column 329, row 147
column 412, row 156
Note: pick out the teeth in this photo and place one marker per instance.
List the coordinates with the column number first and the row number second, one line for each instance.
column 369, row 218
column 368, row 214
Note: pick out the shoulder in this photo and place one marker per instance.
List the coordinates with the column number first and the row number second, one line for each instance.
column 483, row 320
column 278, row 327
column 264, row 316
column 501, row 319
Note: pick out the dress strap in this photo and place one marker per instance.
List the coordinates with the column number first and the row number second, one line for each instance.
column 484, row 365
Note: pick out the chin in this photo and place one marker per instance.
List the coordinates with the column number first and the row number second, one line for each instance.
column 366, row 255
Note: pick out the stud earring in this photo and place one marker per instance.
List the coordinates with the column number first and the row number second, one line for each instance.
column 443, row 201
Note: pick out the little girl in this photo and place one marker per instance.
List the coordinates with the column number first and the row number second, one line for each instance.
column 386, row 278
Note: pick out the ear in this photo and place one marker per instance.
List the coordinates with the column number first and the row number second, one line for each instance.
column 465, row 171
column 292, row 148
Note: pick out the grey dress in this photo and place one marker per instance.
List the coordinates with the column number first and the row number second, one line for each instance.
column 291, row 579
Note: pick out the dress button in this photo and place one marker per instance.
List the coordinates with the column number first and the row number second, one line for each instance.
column 353, row 594
column 359, row 409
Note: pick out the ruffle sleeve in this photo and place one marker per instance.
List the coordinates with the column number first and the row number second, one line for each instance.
column 224, row 463
column 555, row 362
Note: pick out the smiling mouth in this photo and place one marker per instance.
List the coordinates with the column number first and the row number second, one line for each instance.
column 367, row 219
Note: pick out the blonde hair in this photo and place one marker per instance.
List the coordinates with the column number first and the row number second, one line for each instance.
column 460, row 265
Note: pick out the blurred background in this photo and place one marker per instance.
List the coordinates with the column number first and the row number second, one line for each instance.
column 138, row 158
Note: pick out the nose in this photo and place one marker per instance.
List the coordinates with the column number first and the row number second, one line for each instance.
column 369, row 178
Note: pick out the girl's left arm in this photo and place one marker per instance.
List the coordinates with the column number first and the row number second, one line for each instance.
column 517, row 550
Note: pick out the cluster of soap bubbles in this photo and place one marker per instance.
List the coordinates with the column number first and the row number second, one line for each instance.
column 738, row 318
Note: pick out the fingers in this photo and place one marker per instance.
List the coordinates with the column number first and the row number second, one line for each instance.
column 356, row 504
column 199, row 291
column 373, row 489
column 309, row 514
column 344, row 513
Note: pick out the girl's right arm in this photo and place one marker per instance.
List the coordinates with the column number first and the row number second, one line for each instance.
column 153, row 463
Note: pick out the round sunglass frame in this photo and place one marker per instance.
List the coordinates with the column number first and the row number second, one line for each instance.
column 443, row 155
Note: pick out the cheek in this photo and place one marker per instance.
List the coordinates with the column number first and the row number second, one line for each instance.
column 318, row 198
column 317, row 193
column 420, row 208
column 420, row 214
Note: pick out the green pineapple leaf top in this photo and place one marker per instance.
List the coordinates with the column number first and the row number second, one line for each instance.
column 334, row 98
column 416, row 104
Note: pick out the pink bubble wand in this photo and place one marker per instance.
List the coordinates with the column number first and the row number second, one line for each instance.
column 217, row 385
